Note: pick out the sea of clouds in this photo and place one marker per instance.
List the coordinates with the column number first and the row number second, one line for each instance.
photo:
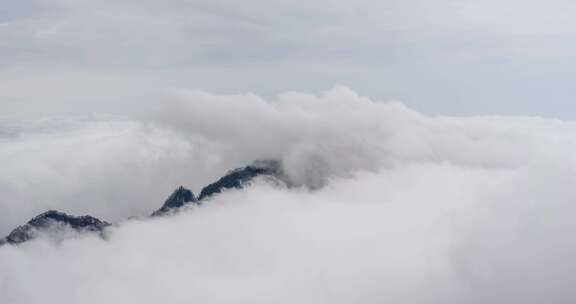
column 390, row 205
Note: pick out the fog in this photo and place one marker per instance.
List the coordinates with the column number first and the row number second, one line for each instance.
column 390, row 205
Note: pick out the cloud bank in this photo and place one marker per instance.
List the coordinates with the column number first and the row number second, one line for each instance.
column 392, row 205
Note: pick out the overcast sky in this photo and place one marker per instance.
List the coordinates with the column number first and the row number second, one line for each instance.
column 453, row 57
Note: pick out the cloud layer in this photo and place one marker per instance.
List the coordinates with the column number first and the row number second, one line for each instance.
column 125, row 52
column 394, row 206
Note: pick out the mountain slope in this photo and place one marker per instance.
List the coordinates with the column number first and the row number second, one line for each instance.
column 52, row 222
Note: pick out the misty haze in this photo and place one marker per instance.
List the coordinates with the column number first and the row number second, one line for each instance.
column 327, row 151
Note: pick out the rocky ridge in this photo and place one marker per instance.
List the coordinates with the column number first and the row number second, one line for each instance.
column 51, row 221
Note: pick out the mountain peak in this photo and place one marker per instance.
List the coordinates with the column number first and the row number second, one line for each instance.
column 177, row 199
column 52, row 220
column 49, row 219
column 238, row 177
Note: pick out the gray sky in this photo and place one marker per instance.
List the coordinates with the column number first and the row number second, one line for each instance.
column 451, row 57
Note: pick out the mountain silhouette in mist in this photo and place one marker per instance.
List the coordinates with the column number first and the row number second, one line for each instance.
column 177, row 199
column 52, row 221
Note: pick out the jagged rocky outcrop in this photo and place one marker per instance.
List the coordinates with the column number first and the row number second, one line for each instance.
column 54, row 219
column 236, row 178
column 177, row 199
column 240, row 176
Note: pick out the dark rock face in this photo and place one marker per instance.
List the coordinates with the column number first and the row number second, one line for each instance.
column 47, row 219
column 177, row 199
column 233, row 179
column 238, row 177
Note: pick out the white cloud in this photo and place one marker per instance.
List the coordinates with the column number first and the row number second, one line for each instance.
column 413, row 208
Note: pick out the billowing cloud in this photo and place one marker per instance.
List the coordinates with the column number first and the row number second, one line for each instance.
column 393, row 205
